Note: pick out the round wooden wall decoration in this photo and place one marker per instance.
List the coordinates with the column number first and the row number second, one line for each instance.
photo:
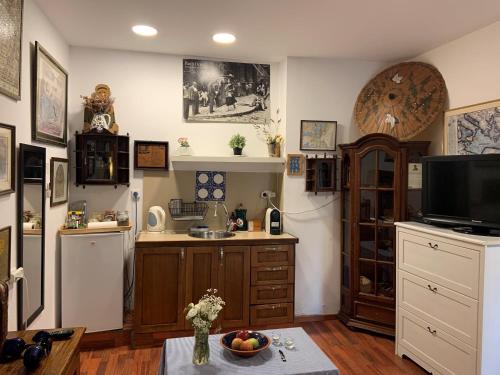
column 401, row 101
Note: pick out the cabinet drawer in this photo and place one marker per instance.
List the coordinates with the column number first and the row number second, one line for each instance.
column 373, row 313
column 445, row 263
column 272, row 275
column 271, row 294
column 442, row 351
column 270, row 314
column 272, row 255
column 443, row 308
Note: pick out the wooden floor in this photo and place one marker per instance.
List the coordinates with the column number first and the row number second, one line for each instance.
column 353, row 352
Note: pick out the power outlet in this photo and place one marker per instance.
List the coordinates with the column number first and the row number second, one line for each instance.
column 267, row 194
column 136, row 195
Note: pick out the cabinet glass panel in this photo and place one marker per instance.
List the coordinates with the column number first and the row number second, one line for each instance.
column 346, row 236
column 325, row 175
column 385, row 170
column 368, row 169
column 367, row 242
column 385, row 280
column 99, row 165
column 386, row 206
column 367, row 206
column 345, row 271
column 367, row 277
column 385, row 239
column 414, row 204
column 346, row 205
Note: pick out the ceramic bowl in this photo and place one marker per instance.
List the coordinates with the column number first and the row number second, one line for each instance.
column 263, row 340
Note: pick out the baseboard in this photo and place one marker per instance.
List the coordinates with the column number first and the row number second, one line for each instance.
column 314, row 318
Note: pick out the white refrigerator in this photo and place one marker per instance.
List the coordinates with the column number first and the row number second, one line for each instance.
column 92, row 281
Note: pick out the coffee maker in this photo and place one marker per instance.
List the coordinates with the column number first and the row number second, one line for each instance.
column 273, row 221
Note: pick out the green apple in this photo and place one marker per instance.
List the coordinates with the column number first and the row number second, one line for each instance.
column 255, row 342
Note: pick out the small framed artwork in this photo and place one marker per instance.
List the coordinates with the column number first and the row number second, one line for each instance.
column 473, row 130
column 295, row 165
column 11, row 14
column 5, row 253
column 59, row 181
column 318, row 135
column 7, row 158
column 50, row 99
column 151, row 155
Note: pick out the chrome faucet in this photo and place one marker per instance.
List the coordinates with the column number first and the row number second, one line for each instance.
column 216, row 206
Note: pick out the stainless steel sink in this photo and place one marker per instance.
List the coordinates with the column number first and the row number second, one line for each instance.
column 211, row 234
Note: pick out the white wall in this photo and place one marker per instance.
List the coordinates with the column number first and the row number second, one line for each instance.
column 319, row 89
column 36, row 27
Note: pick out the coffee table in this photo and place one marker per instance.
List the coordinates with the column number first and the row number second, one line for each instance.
column 306, row 358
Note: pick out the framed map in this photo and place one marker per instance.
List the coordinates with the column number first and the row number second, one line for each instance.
column 11, row 21
column 318, row 135
column 50, row 99
column 151, row 155
column 473, row 130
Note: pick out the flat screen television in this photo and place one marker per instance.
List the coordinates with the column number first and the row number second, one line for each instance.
column 462, row 191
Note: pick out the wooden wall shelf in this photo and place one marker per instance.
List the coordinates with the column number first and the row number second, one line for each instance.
column 229, row 163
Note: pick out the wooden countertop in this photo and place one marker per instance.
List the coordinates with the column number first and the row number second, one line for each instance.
column 58, row 361
column 150, row 239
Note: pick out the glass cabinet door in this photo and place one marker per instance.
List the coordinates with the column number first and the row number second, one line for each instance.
column 375, row 233
column 346, row 233
column 99, row 161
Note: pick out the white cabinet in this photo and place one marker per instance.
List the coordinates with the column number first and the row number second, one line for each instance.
column 447, row 308
column 92, row 281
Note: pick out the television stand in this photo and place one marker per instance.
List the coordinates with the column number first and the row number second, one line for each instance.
column 478, row 231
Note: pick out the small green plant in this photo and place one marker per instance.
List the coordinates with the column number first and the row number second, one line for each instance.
column 237, row 141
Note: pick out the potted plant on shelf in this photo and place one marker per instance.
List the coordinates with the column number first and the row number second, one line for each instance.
column 184, row 149
column 269, row 131
column 237, row 143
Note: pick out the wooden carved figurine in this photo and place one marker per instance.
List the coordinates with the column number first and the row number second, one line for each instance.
column 99, row 114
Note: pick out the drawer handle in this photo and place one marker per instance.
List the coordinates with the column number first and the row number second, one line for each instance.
column 275, row 268
column 271, row 248
column 435, row 246
column 182, row 255
column 433, row 290
column 432, row 331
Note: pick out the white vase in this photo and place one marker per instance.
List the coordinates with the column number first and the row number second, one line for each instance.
column 184, row 151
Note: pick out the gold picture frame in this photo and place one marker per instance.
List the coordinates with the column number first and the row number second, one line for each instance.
column 472, row 129
column 295, row 164
column 5, row 243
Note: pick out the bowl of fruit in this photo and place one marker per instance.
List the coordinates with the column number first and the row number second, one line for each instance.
column 245, row 343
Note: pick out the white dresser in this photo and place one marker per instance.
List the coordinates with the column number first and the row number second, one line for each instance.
column 448, row 300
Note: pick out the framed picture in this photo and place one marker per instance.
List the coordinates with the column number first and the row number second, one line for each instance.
column 50, row 99
column 59, row 181
column 473, row 130
column 11, row 15
column 7, row 159
column 151, row 155
column 5, row 253
column 318, row 135
column 225, row 91
column 295, row 165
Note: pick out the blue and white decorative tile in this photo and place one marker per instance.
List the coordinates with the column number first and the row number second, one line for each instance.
column 210, row 186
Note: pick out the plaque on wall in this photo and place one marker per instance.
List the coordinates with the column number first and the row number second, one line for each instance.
column 151, row 155
column 11, row 21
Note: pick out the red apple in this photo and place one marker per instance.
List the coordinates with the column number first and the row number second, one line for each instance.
column 236, row 343
column 243, row 334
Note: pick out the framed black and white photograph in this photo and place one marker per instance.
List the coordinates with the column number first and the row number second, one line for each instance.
column 11, row 33
column 50, row 99
column 218, row 91
column 59, row 181
column 5, row 242
column 151, row 155
column 7, row 158
column 318, row 135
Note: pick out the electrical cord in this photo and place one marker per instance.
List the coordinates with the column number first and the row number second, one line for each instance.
column 301, row 212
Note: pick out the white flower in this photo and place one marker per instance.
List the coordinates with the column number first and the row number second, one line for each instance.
column 192, row 312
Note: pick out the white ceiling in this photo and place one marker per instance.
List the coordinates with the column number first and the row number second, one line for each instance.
column 268, row 30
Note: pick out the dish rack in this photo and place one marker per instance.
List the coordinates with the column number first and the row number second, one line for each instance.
column 182, row 211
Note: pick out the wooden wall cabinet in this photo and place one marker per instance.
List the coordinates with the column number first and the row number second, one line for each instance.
column 169, row 277
column 374, row 195
column 321, row 174
column 102, row 159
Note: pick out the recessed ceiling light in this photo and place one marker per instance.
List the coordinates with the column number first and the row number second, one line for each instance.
column 144, row 30
column 224, row 38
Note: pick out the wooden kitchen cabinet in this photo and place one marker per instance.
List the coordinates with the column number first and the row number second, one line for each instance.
column 160, row 289
column 234, row 285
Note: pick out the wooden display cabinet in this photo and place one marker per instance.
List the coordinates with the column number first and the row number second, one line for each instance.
column 374, row 195
column 102, row 159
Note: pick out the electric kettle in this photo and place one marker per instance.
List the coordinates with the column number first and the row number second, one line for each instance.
column 156, row 219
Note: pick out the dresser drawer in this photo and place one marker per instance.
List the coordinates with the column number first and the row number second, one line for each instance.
column 271, row 294
column 440, row 350
column 272, row 275
column 443, row 308
column 445, row 263
column 272, row 255
column 271, row 314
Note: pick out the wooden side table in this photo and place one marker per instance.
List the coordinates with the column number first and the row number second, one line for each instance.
column 64, row 359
